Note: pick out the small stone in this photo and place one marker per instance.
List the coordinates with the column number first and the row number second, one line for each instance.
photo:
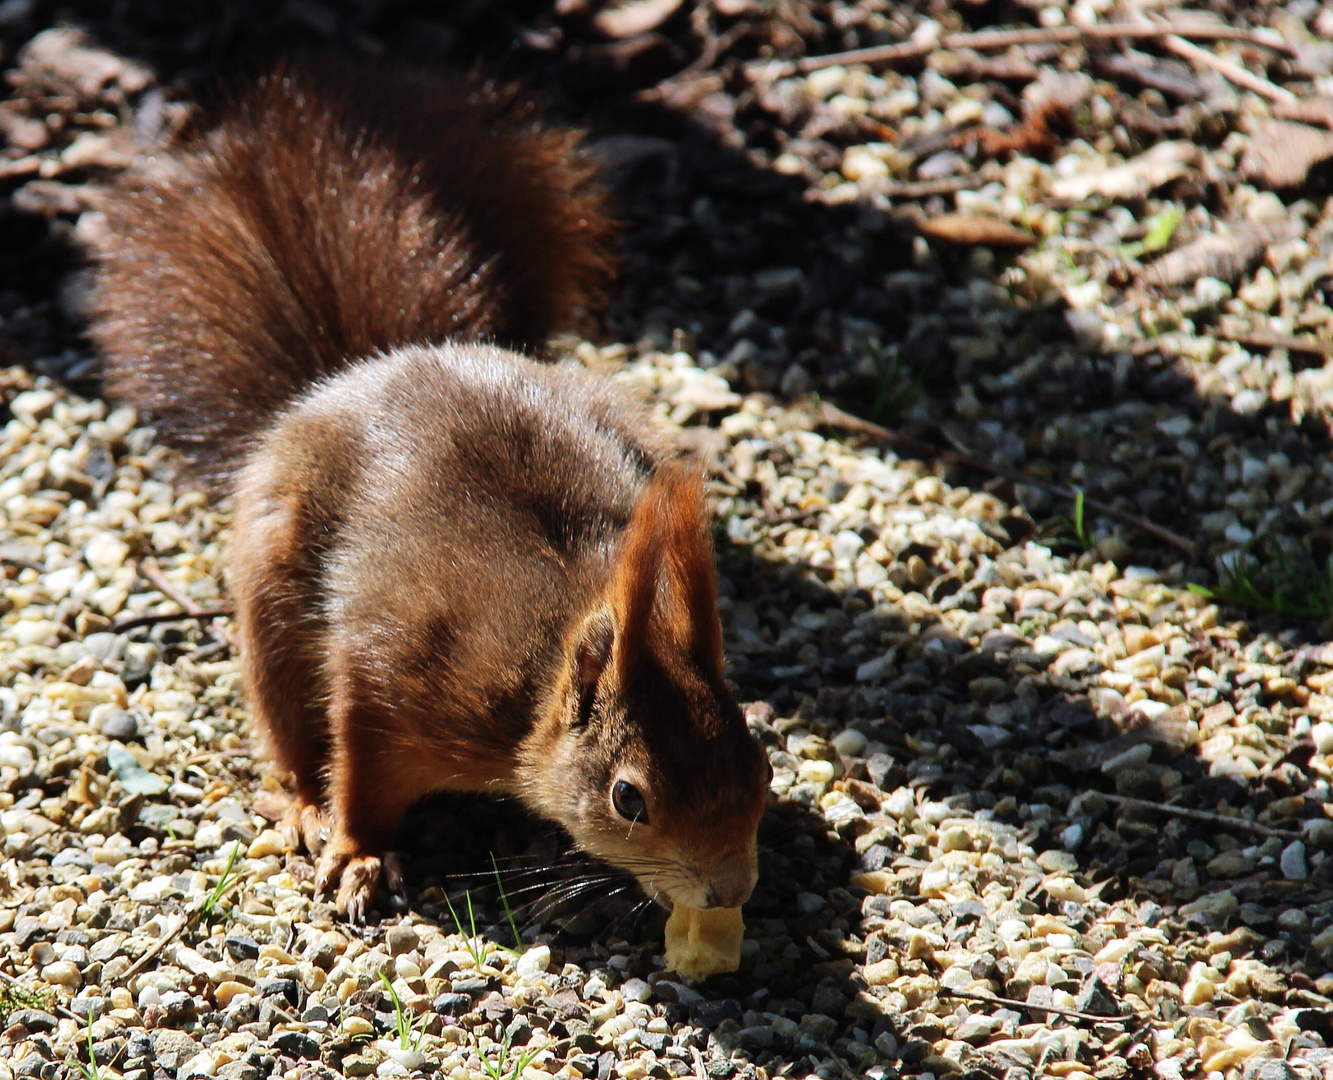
column 1134, row 757
column 881, row 973
column 297, row 1044
column 976, row 1029
column 534, row 961
column 241, row 947
column 1198, row 991
column 451, row 1004
column 268, row 842
column 809, row 903
column 228, row 991
column 401, row 939
column 172, row 1049
column 121, row 725
column 35, row 1020
column 1293, row 863
column 829, row 1001
column 1231, row 864
column 1054, row 861
column 850, row 743
column 63, row 973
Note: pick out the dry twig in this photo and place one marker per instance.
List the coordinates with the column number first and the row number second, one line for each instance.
column 837, row 418
column 1265, row 339
column 182, row 921
column 1228, row 69
column 984, row 40
column 1210, row 816
column 1029, row 1007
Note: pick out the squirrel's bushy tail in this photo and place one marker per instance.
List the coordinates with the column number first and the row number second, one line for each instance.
column 330, row 214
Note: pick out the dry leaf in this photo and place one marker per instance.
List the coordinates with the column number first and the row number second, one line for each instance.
column 1226, row 255
column 1312, row 110
column 1281, row 154
column 974, row 229
column 1136, row 178
column 635, row 17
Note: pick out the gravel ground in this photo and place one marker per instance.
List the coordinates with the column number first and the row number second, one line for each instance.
column 1015, row 755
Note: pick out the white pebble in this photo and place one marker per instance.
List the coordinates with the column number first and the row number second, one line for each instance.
column 105, row 552
column 849, row 743
column 901, row 804
column 1293, row 862
column 533, row 962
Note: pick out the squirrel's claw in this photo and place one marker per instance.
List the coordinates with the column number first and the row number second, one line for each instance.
column 356, row 877
column 304, row 825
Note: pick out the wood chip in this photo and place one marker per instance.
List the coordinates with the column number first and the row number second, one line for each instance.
column 1226, row 255
column 1136, row 178
column 634, row 18
column 1282, row 153
column 974, row 229
column 1314, row 110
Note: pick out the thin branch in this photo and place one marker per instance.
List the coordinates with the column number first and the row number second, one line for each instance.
column 984, row 40
column 1029, row 1007
column 1210, row 816
column 837, row 418
column 161, row 943
column 924, row 189
column 168, row 616
column 1265, row 339
column 1229, row 70
column 152, row 573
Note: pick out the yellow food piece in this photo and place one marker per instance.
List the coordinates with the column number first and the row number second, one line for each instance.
column 703, row 942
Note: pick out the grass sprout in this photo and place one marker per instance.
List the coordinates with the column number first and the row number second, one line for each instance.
column 409, row 1035
column 1161, row 227
column 1085, row 537
column 897, row 387
column 91, row 1071
column 1276, row 581
column 225, row 882
column 502, row 1069
column 476, row 945
column 1073, row 532
column 509, row 912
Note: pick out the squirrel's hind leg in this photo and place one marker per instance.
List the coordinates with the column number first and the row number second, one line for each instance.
column 282, row 640
column 376, row 774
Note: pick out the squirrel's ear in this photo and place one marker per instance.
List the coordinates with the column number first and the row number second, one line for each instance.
column 634, row 583
column 667, row 544
column 592, row 650
column 689, row 554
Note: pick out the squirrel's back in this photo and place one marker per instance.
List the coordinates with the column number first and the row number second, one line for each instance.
column 328, row 215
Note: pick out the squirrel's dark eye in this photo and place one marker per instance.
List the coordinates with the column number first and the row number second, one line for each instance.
column 629, row 803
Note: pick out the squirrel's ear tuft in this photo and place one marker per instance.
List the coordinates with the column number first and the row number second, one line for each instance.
column 664, row 582
column 689, row 559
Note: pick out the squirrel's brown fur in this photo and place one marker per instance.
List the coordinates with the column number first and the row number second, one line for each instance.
column 454, row 567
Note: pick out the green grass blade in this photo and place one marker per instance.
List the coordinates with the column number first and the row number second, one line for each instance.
column 224, row 882
column 504, row 899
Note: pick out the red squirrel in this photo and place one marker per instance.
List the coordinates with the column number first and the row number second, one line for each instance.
column 454, row 567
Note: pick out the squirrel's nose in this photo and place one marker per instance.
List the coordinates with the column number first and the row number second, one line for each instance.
column 733, row 893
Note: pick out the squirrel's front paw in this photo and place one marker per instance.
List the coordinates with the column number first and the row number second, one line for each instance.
column 355, row 877
column 304, row 825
